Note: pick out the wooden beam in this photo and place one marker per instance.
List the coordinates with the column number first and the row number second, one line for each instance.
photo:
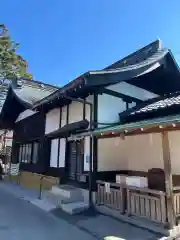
column 168, row 179
column 125, row 97
column 146, row 130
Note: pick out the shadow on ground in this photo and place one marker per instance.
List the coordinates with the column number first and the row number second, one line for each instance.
column 100, row 226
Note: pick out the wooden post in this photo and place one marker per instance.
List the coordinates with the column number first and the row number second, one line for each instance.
column 168, row 179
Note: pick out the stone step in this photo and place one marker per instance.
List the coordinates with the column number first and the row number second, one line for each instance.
column 68, row 192
column 57, row 199
column 52, row 198
column 75, row 207
column 43, row 205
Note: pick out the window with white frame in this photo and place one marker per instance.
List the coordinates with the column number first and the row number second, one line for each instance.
column 28, row 153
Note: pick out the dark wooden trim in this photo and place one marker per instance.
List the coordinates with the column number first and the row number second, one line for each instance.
column 126, row 98
column 95, row 110
column 60, row 116
column 127, row 105
column 95, row 161
column 70, row 128
column 83, row 145
column 57, row 172
column 94, row 142
column 66, row 158
column 32, row 150
column 66, row 151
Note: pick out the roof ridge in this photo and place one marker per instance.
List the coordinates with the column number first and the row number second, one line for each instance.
column 157, row 44
column 35, row 82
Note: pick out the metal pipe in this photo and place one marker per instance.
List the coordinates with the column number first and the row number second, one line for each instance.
column 40, row 187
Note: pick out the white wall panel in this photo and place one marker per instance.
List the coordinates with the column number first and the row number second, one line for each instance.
column 54, row 153
column 62, row 151
column 63, row 116
column 136, row 153
column 52, row 120
column 109, row 108
column 174, row 142
column 25, row 114
column 132, row 91
column 75, row 112
column 90, row 99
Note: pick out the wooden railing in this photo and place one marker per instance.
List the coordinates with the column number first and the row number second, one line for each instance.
column 176, row 193
column 141, row 202
column 111, row 195
column 146, row 203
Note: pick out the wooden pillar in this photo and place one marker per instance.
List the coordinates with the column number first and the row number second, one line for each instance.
column 168, row 179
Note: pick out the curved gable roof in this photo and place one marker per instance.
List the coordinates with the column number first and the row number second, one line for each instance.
column 21, row 96
column 151, row 68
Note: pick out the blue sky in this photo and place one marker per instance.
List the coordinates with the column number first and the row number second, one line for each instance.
column 62, row 39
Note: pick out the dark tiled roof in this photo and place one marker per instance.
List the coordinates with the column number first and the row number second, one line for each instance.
column 28, row 91
column 32, row 91
column 136, row 64
column 144, row 66
column 156, row 107
column 137, row 56
column 165, row 102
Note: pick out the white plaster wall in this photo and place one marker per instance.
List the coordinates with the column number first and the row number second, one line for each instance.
column 109, row 108
column 132, row 91
column 63, row 116
column 138, row 153
column 174, row 143
column 111, row 154
column 62, row 151
column 52, row 120
column 90, row 98
column 54, row 153
column 86, row 153
column 87, row 112
column 25, row 114
column 75, row 112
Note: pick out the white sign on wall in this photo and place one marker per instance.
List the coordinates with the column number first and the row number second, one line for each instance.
column 87, row 158
column 107, row 187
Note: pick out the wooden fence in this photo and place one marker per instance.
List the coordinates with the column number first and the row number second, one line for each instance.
column 140, row 202
column 110, row 195
column 146, row 203
column 176, row 193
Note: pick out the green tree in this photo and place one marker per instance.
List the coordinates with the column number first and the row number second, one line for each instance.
column 12, row 65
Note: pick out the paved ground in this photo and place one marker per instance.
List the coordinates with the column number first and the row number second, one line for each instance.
column 21, row 220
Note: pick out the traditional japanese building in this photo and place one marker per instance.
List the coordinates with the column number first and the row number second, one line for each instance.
column 26, row 125
column 145, row 146
column 71, row 126
column 95, row 99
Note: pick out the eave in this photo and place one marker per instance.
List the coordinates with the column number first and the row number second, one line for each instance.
column 157, row 107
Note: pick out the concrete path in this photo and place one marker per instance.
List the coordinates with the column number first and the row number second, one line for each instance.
column 19, row 220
